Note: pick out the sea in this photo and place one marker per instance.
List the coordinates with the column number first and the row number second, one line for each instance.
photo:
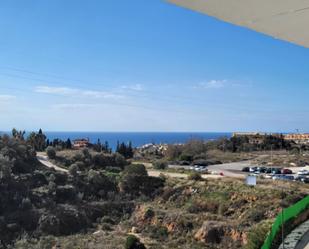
column 136, row 138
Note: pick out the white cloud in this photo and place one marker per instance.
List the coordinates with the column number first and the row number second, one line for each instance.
column 5, row 98
column 72, row 106
column 213, row 84
column 100, row 94
column 75, row 92
column 136, row 87
column 55, row 90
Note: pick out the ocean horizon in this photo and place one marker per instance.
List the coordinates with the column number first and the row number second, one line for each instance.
column 136, row 138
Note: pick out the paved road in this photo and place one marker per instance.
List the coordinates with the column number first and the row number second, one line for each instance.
column 228, row 169
column 43, row 158
column 231, row 169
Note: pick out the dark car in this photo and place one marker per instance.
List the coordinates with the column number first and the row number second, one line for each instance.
column 245, row 169
column 184, row 163
column 299, row 178
column 287, row 171
column 276, row 171
column 268, row 170
column 305, row 180
column 200, row 162
column 263, row 169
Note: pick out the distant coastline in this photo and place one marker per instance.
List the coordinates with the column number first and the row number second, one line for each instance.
column 137, row 138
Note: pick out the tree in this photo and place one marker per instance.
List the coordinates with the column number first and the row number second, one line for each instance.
column 106, row 148
column 125, row 150
column 136, row 169
column 18, row 135
column 6, row 166
column 135, row 181
column 73, row 169
column 195, row 176
column 51, row 152
column 68, row 144
column 133, row 242
column 98, row 146
column 160, row 164
column 37, row 140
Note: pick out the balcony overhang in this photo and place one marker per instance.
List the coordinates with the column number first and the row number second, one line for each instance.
column 287, row 20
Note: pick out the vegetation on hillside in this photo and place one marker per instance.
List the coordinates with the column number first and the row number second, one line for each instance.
column 104, row 201
column 37, row 201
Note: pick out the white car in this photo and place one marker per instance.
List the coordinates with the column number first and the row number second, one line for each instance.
column 252, row 169
column 303, row 172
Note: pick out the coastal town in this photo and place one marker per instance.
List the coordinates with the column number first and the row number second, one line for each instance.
column 164, row 124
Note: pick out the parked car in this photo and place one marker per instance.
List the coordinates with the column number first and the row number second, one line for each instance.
column 263, row 169
column 184, row 163
column 305, row 180
column 283, row 177
column 252, row 169
column 200, row 168
column 276, row 171
column 303, row 172
column 245, row 169
column 286, row 171
column 200, row 162
column 268, row 170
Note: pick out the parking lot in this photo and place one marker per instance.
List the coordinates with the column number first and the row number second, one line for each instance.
column 244, row 168
column 288, row 174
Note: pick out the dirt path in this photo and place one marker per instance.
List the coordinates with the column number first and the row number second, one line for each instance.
column 157, row 173
column 43, row 158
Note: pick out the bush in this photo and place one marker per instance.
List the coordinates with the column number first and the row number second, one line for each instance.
column 186, row 157
column 134, row 243
column 51, row 152
column 258, row 234
column 158, row 232
column 73, row 170
column 195, row 176
column 149, row 214
column 135, row 181
column 120, row 161
column 136, row 169
column 160, row 165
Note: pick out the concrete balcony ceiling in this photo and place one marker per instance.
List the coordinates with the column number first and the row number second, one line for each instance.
column 282, row 19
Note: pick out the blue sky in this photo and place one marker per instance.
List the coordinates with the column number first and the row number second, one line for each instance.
column 139, row 65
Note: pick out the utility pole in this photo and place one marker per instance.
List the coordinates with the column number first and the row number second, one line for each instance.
column 271, row 154
column 282, row 219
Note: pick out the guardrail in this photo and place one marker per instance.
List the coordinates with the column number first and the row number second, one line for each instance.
column 286, row 215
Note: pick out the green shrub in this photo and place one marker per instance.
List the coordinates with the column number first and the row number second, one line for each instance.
column 160, row 164
column 133, row 242
column 158, row 232
column 186, row 157
column 149, row 214
column 258, row 234
column 51, row 152
column 136, row 169
column 195, row 176
column 73, row 169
